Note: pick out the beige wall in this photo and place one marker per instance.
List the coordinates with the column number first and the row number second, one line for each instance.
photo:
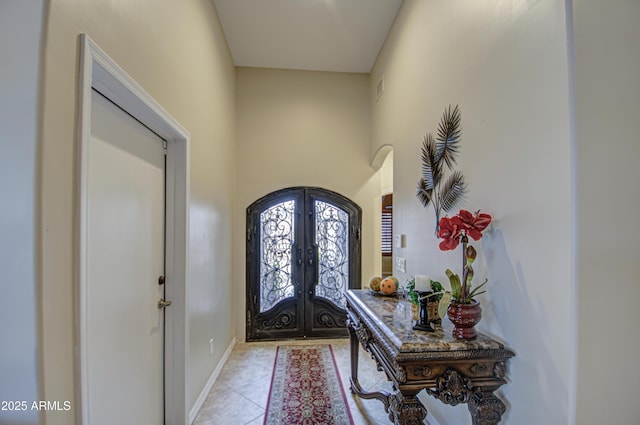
column 505, row 64
column 607, row 84
column 383, row 265
column 386, row 174
column 300, row 128
column 177, row 52
column 19, row 101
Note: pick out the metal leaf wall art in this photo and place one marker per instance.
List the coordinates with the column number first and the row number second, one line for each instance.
column 439, row 156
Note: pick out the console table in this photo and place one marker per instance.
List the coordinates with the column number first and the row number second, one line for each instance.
column 450, row 370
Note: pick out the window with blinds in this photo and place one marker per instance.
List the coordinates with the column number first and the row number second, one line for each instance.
column 387, row 225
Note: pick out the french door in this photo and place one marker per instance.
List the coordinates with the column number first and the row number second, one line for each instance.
column 303, row 253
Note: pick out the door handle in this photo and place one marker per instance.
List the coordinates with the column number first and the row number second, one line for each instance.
column 162, row 304
column 310, row 256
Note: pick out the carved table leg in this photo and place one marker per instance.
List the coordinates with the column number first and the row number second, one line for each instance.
column 486, row 409
column 354, row 346
column 356, row 389
column 406, row 409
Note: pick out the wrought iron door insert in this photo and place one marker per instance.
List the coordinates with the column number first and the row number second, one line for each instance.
column 303, row 253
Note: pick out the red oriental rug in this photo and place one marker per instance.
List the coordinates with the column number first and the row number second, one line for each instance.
column 306, row 388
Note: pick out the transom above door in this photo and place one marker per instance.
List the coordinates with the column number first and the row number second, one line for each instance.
column 303, row 253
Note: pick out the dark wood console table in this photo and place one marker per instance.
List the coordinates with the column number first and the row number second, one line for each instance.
column 450, row 370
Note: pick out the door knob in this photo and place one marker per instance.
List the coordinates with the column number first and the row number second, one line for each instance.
column 162, row 303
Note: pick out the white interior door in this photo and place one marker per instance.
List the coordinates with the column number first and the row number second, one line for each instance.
column 125, row 257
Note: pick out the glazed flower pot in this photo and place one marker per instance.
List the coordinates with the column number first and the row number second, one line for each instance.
column 464, row 318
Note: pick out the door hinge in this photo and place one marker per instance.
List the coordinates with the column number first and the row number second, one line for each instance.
column 161, row 280
column 164, row 147
column 251, row 231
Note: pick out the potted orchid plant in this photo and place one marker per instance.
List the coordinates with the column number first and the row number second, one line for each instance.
column 464, row 310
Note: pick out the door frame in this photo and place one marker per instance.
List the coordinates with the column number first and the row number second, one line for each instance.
column 99, row 71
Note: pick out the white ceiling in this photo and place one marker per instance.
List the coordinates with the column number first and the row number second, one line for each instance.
column 318, row 35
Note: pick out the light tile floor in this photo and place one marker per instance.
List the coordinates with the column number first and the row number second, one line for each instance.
column 239, row 395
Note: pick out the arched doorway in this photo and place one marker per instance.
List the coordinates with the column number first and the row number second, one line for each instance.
column 303, row 253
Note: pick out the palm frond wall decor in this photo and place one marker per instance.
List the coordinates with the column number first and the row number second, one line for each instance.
column 439, row 155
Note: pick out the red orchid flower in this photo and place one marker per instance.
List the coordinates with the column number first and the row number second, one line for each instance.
column 450, row 231
column 473, row 224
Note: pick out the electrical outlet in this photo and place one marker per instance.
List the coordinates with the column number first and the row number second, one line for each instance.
column 211, row 347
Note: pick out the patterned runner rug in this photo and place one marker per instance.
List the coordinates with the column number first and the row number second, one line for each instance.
column 306, row 388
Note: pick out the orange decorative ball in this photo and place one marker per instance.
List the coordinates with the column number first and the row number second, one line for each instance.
column 395, row 279
column 389, row 286
column 374, row 283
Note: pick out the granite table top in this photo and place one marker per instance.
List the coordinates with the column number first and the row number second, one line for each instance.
column 392, row 316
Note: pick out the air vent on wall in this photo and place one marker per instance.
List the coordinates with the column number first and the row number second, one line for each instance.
column 380, row 89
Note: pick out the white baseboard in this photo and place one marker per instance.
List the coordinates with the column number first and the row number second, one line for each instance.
column 431, row 420
column 212, row 379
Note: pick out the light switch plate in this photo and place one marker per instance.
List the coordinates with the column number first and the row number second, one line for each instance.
column 401, row 264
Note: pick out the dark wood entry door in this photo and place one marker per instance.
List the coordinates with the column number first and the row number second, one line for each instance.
column 303, row 253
